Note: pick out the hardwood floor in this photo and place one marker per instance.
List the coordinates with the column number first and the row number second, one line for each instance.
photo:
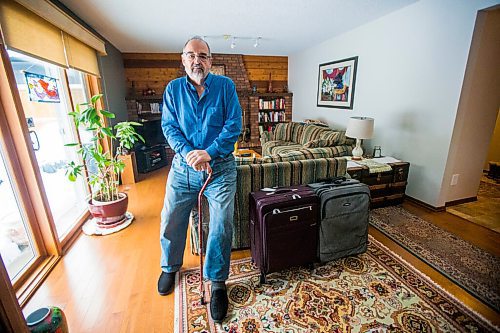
column 108, row 284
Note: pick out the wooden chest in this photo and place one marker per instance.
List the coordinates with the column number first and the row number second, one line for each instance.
column 386, row 188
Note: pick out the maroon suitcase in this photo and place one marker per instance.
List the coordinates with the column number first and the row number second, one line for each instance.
column 283, row 228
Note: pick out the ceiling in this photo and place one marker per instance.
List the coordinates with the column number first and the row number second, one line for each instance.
column 285, row 26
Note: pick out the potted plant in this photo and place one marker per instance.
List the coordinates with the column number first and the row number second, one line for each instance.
column 106, row 203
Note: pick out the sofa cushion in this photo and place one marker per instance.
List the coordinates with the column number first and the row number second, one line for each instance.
column 310, row 153
column 291, row 131
column 313, row 132
column 281, row 149
column 317, row 143
column 294, row 155
column 333, row 138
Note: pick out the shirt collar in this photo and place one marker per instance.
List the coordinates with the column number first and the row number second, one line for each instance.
column 206, row 84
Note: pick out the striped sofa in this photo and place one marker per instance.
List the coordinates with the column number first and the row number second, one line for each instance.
column 294, row 136
column 253, row 177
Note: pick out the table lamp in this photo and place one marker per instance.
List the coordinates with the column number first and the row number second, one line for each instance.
column 359, row 128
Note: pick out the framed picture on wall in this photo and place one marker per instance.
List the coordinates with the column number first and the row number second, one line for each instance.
column 218, row 70
column 336, row 83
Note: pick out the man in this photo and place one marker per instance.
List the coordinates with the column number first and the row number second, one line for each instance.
column 201, row 119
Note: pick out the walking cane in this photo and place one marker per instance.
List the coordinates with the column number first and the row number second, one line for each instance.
column 200, row 237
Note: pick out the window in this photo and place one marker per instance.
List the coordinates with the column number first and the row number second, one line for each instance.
column 16, row 245
column 46, row 108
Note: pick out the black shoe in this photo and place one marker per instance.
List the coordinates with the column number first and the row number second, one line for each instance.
column 166, row 283
column 218, row 305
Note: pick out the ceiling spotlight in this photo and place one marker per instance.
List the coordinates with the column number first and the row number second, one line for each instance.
column 233, row 43
column 256, row 42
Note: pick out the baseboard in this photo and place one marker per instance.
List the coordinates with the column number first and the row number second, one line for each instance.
column 461, row 201
column 440, row 208
column 425, row 205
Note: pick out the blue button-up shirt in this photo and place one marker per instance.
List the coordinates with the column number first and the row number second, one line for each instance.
column 211, row 122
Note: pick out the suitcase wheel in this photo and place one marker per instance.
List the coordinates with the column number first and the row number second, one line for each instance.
column 262, row 279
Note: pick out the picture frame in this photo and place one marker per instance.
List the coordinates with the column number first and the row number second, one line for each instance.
column 218, row 69
column 336, row 83
column 42, row 88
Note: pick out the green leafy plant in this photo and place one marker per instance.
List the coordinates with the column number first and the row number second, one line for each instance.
column 104, row 167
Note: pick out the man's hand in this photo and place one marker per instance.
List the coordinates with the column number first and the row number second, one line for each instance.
column 195, row 158
column 205, row 166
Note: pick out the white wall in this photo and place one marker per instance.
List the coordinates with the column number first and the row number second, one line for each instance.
column 410, row 71
column 477, row 110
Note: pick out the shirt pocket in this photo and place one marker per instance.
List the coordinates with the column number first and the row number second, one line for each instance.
column 215, row 117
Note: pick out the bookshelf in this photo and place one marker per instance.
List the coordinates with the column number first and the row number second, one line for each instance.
column 266, row 111
column 272, row 110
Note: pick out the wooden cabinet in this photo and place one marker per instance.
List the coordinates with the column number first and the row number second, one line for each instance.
column 129, row 174
column 386, row 188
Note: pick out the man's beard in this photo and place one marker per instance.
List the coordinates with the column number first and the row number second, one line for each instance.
column 197, row 73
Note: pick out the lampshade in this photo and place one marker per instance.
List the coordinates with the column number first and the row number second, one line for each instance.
column 360, row 128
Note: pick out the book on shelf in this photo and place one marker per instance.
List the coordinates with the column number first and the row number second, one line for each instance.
column 274, row 104
column 271, row 116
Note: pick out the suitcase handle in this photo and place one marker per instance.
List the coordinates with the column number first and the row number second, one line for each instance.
column 281, row 190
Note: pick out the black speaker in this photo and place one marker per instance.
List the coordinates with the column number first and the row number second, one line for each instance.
column 150, row 158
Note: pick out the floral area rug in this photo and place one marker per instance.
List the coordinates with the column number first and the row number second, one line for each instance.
column 372, row 292
column 486, row 210
column 472, row 268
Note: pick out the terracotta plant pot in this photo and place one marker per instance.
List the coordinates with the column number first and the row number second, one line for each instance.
column 110, row 213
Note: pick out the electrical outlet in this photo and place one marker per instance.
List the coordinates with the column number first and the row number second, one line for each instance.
column 454, row 179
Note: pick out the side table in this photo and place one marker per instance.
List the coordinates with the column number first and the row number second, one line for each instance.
column 386, row 188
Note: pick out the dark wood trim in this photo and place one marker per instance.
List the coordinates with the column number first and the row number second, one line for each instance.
column 27, row 290
column 151, row 63
column 425, row 205
column 12, row 319
column 460, row 201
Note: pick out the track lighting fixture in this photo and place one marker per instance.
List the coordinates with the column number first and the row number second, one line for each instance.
column 256, row 40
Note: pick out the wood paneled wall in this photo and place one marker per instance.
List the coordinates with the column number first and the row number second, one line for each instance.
column 150, row 70
column 260, row 67
column 155, row 70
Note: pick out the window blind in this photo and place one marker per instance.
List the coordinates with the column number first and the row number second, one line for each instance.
column 80, row 56
column 42, row 30
column 24, row 31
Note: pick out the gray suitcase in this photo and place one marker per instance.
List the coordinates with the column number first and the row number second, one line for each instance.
column 344, row 214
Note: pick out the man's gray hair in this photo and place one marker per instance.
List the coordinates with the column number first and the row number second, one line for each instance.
column 200, row 39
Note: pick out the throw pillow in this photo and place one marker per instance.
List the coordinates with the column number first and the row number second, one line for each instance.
column 331, row 138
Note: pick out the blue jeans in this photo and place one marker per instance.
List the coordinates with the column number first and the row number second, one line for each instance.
column 183, row 186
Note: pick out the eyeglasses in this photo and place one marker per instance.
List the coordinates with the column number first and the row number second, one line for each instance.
column 191, row 56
